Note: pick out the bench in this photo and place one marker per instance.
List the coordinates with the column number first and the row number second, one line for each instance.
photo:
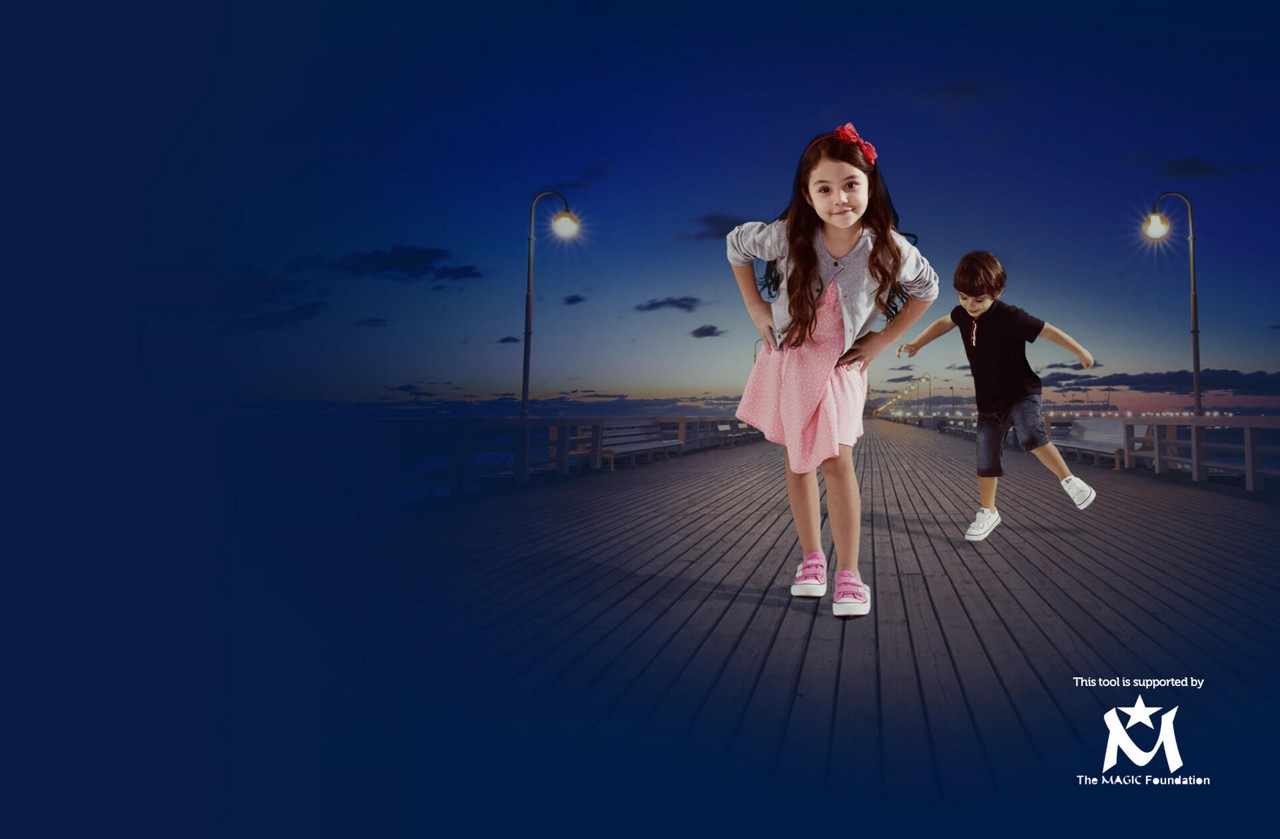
column 1096, row 436
column 734, row 432
column 631, row 438
column 966, row 427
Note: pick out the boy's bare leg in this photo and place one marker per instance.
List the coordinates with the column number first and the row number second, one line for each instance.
column 1049, row 455
column 844, row 508
column 806, row 510
column 987, row 492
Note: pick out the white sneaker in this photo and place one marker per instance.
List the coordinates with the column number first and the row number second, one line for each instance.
column 811, row 576
column 982, row 526
column 1080, row 492
column 853, row 597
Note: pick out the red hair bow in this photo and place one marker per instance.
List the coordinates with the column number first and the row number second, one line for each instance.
column 848, row 134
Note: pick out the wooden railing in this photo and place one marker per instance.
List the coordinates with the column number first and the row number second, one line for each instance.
column 1245, row 448
column 1206, row 447
column 462, row 455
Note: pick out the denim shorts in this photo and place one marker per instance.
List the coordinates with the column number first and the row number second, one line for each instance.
column 1024, row 417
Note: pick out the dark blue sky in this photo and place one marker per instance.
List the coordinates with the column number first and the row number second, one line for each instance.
column 337, row 198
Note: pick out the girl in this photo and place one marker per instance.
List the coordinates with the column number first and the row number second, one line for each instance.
column 839, row 264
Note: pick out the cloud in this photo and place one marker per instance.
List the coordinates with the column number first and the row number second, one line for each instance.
column 952, row 100
column 402, row 263
column 306, row 263
column 966, row 92
column 239, row 300
column 276, row 319
column 903, row 367
column 1063, row 379
column 707, row 331
column 510, row 339
column 999, row 135
column 574, row 299
column 714, row 226
column 413, row 390
column 1143, row 157
column 591, row 173
column 575, row 405
column 247, row 292
column 370, row 322
column 687, row 304
column 1067, row 365
column 459, row 272
column 1198, row 167
column 897, row 379
column 1237, row 382
column 957, row 366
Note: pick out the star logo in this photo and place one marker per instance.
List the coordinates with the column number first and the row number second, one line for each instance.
column 1139, row 713
column 1119, row 740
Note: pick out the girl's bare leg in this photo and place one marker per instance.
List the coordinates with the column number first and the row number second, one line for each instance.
column 806, row 508
column 844, row 508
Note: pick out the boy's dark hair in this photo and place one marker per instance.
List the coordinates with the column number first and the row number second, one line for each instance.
column 979, row 273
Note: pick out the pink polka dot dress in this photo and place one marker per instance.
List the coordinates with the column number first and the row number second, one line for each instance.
column 801, row 399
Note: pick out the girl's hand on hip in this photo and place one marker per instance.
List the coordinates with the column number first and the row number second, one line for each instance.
column 864, row 350
column 763, row 321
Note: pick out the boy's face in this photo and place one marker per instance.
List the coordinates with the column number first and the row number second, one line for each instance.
column 977, row 306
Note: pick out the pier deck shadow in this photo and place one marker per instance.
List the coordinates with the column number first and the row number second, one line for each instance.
column 641, row 621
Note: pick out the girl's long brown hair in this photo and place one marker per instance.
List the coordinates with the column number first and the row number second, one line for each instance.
column 803, row 224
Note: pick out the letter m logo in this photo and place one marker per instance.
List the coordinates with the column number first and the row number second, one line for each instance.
column 1119, row 740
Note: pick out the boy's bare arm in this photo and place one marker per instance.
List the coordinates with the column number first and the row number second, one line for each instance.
column 939, row 327
column 1062, row 339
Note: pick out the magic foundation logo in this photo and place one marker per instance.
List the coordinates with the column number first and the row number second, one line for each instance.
column 1126, row 751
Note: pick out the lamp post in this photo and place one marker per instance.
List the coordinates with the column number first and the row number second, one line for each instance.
column 1156, row 227
column 915, row 383
column 953, row 400
column 565, row 225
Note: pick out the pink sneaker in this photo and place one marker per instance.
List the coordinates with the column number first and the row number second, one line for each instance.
column 811, row 576
column 853, row 597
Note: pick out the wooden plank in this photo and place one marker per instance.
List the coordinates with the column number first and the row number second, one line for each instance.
column 654, row 616
column 910, row 763
column 1129, row 619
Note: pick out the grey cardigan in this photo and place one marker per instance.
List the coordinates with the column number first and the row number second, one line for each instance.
column 852, row 273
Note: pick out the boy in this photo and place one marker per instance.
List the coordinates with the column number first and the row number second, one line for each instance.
column 995, row 337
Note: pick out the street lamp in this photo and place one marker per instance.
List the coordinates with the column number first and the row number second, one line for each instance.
column 1155, row 228
column 915, row 383
column 565, row 225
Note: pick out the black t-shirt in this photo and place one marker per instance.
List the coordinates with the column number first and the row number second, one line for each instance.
column 996, row 343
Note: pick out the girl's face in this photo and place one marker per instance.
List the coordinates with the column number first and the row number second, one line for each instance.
column 838, row 193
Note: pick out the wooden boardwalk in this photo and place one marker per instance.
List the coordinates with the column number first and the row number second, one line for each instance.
column 641, row 621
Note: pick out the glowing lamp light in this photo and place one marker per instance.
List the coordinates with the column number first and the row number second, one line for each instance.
column 565, row 224
column 1155, row 227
